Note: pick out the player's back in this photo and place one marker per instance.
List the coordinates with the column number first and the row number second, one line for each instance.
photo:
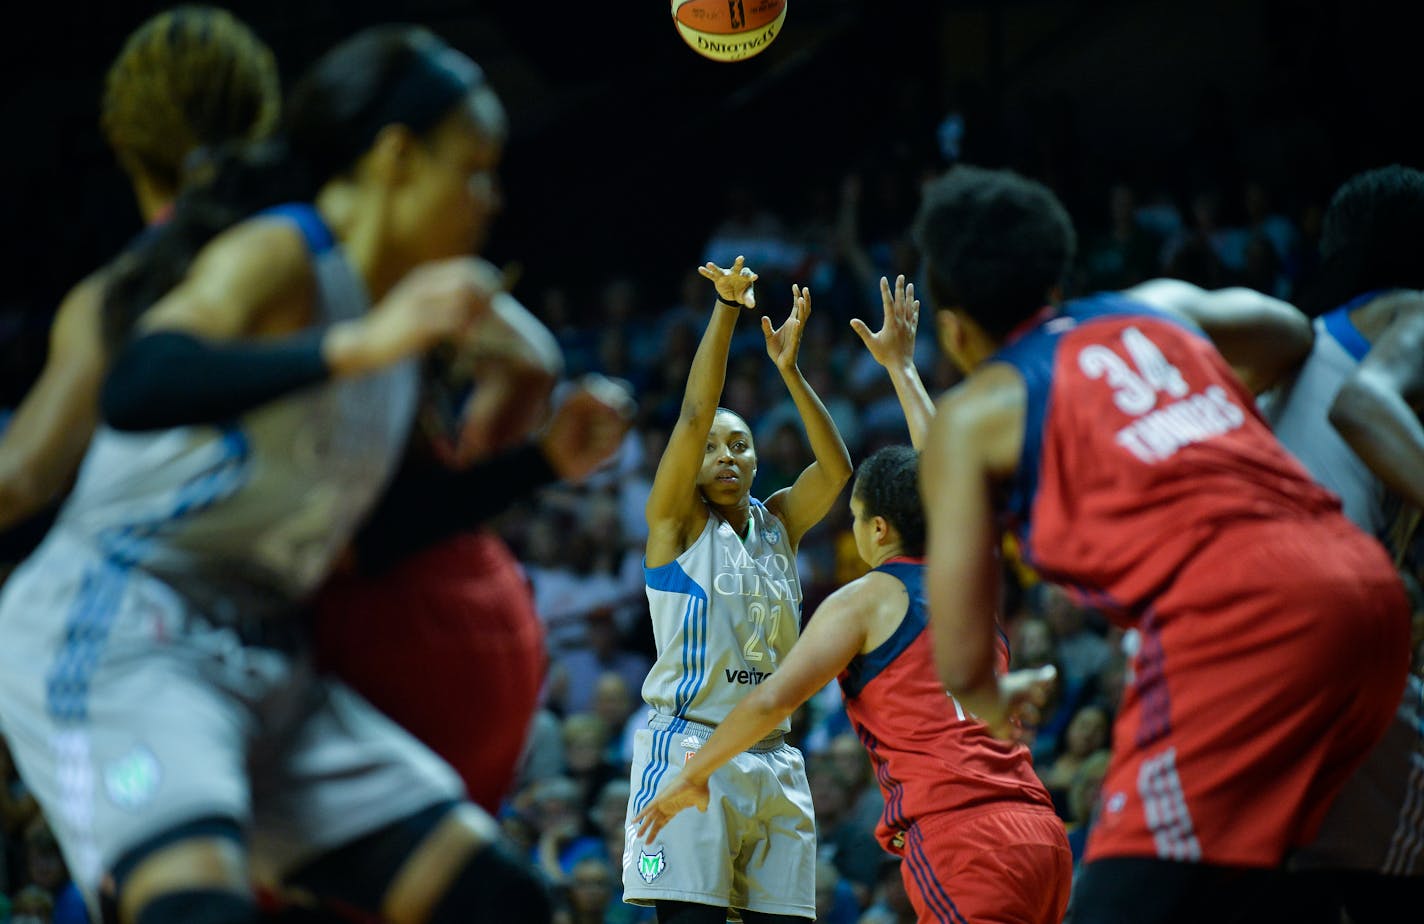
column 929, row 756
column 251, row 513
column 1141, row 448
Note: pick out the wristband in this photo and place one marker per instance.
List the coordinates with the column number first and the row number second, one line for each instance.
column 729, row 304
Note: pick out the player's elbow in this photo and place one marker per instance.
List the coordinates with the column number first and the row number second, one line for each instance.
column 1351, row 410
column 26, row 489
column 956, row 673
column 770, row 703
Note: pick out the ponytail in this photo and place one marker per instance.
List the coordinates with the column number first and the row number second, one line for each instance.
column 384, row 75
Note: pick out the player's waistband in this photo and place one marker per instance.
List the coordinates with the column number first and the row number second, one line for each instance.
column 658, row 721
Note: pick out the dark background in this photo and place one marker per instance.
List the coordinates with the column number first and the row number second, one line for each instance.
column 626, row 142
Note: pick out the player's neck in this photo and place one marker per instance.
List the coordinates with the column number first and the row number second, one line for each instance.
column 356, row 218
column 886, row 553
column 155, row 200
column 739, row 518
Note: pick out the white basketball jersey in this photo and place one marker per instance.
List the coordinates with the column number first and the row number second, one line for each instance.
column 247, row 516
column 725, row 613
column 1300, row 419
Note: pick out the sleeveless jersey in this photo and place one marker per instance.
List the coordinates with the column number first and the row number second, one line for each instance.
column 245, row 516
column 929, row 755
column 1140, row 448
column 1300, row 419
column 725, row 613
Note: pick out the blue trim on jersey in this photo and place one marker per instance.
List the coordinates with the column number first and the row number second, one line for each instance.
column 1343, row 329
column 670, row 578
column 92, row 615
column 864, row 668
column 892, row 816
column 308, row 221
column 1033, row 355
column 1150, row 669
column 656, row 768
column 930, row 886
column 100, row 594
column 127, row 545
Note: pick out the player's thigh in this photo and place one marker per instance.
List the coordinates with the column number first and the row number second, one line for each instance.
column 340, row 770
column 781, row 878
column 120, row 719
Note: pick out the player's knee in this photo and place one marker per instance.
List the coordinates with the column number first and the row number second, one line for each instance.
column 199, row 906
column 495, row 885
column 202, row 860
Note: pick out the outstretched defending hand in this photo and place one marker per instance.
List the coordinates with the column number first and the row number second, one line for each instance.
column 588, row 427
column 683, row 792
column 733, row 285
column 784, row 343
column 894, row 343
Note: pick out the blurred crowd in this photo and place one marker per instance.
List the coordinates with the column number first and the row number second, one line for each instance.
column 582, row 545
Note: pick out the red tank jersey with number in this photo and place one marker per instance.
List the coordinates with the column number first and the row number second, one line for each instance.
column 1141, row 448
column 929, row 755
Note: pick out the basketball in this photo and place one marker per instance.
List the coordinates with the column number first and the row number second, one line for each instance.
column 728, row 30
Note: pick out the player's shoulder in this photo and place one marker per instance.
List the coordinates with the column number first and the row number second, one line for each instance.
column 265, row 258
column 873, row 591
column 265, row 240
column 82, row 307
column 990, row 390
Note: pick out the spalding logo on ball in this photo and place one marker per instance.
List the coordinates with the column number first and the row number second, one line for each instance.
column 728, row 30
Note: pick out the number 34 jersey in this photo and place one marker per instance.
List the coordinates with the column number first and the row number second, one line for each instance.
column 725, row 613
column 1140, row 447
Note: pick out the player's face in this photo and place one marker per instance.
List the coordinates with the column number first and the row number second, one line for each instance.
column 454, row 193
column 729, row 462
column 862, row 528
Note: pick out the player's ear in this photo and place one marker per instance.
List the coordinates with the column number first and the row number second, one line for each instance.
column 948, row 331
column 392, row 154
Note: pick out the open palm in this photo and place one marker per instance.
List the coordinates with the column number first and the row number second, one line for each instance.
column 895, row 341
column 784, row 343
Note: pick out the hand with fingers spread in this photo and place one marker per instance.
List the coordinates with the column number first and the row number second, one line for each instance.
column 784, row 343
column 687, row 790
column 894, row 344
column 734, row 286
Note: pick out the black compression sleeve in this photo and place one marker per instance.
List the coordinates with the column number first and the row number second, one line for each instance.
column 171, row 379
column 426, row 503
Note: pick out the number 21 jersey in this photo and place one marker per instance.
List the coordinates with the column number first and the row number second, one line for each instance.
column 725, row 613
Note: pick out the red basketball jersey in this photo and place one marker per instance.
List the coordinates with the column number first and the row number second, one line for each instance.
column 929, row 755
column 1140, row 448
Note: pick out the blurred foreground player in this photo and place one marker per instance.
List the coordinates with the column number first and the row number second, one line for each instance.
column 1130, row 457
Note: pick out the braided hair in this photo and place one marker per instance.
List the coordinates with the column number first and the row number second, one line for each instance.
column 192, row 77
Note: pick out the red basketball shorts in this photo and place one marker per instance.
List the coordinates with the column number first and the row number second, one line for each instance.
column 1264, row 674
column 999, row 865
column 448, row 644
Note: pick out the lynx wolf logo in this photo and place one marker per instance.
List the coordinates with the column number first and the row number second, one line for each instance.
column 651, row 867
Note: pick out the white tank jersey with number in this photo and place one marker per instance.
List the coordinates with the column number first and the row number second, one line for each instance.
column 725, row 613
column 244, row 517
